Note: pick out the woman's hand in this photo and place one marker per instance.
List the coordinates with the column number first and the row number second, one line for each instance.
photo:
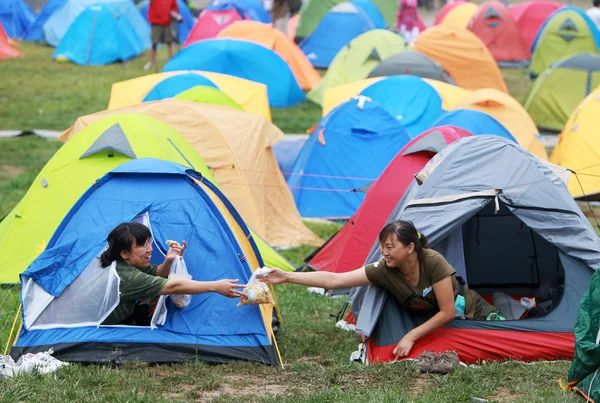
column 176, row 250
column 228, row 287
column 275, row 276
column 404, row 346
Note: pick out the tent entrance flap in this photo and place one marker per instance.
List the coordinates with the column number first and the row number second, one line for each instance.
column 501, row 253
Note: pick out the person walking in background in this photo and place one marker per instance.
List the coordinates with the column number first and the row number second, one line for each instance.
column 160, row 14
column 280, row 13
column 594, row 13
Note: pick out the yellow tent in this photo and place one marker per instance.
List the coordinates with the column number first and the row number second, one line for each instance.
column 248, row 94
column 463, row 56
column 449, row 93
column 460, row 16
column 506, row 110
column 578, row 149
column 236, row 145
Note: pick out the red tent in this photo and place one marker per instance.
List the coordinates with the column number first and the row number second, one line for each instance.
column 210, row 23
column 6, row 50
column 348, row 249
column 530, row 16
column 446, row 9
column 497, row 29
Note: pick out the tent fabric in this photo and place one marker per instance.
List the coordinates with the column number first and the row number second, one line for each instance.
column 287, row 150
column 509, row 112
column 463, row 56
column 248, row 94
column 485, row 196
column 292, row 24
column 460, row 16
column 61, row 19
column 372, row 11
column 35, row 31
column 556, row 93
column 577, row 150
column 208, row 95
column 585, row 364
column 184, row 27
column 6, row 50
column 15, row 17
column 271, row 38
column 413, row 63
column 567, row 32
column 338, row 27
column 190, row 207
column 312, row 12
column 450, row 94
column 237, row 147
column 349, row 148
column 531, row 15
column 67, row 175
column 349, row 247
column 497, row 29
column 475, row 122
column 245, row 60
column 446, row 8
column 416, row 109
column 357, row 59
column 219, row 14
column 100, row 35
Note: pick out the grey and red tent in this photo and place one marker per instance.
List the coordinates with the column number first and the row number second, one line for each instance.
column 506, row 222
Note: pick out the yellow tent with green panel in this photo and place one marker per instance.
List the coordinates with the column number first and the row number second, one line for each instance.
column 75, row 167
column 208, row 95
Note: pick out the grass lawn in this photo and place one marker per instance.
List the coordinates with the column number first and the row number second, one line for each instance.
column 36, row 93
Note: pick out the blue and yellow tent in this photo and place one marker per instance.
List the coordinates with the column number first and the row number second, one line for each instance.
column 211, row 328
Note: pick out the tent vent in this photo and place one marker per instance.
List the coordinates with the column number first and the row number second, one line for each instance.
column 113, row 139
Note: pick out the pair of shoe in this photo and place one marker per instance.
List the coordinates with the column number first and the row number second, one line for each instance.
column 443, row 363
column 148, row 66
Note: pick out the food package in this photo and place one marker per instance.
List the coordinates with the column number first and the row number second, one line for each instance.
column 179, row 270
column 256, row 292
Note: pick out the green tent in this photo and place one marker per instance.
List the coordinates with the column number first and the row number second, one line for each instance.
column 586, row 360
column 556, row 93
column 208, row 95
column 86, row 157
column 313, row 11
column 357, row 59
column 567, row 32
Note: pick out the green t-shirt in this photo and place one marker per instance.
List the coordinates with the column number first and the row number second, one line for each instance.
column 421, row 298
column 137, row 285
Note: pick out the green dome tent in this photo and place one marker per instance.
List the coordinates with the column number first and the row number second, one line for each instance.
column 208, row 95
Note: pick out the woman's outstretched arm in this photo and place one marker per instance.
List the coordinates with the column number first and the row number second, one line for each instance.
column 321, row 279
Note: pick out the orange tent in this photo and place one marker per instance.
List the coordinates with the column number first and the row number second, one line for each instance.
column 497, row 29
column 463, row 56
column 270, row 37
column 292, row 25
column 6, row 49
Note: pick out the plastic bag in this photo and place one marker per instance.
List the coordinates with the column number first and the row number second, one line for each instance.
column 257, row 292
column 179, row 270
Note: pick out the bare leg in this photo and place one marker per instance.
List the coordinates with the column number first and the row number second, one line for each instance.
column 152, row 60
column 171, row 52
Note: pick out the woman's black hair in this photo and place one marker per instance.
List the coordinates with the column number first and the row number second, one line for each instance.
column 121, row 239
column 596, row 3
column 407, row 234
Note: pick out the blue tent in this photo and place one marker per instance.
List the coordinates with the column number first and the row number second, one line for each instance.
column 411, row 100
column 172, row 86
column 338, row 27
column 475, row 122
column 349, row 149
column 185, row 26
column 242, row 59
column 35, row 32
column 249, row 9
column 15, row 17
column 210, row 328
column 286, row 151
column 57, row 24
column 372, row 11
column 100, row 35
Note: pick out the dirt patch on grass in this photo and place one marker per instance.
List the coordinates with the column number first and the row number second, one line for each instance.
column 9, row 171
column 244, row 386
column 420, row 383
column 505, row 396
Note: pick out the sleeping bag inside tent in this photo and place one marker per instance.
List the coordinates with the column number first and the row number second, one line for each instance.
column 67, row 295
column 506, row 222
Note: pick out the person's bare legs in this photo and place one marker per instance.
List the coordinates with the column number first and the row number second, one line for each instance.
column 152, row 59
column 171, row 52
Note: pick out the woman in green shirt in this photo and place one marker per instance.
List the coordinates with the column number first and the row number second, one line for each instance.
column 419, row 278
column 130, row 245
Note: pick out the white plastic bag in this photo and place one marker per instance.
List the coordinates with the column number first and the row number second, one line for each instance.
column 179, row 270
column 257, row 292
